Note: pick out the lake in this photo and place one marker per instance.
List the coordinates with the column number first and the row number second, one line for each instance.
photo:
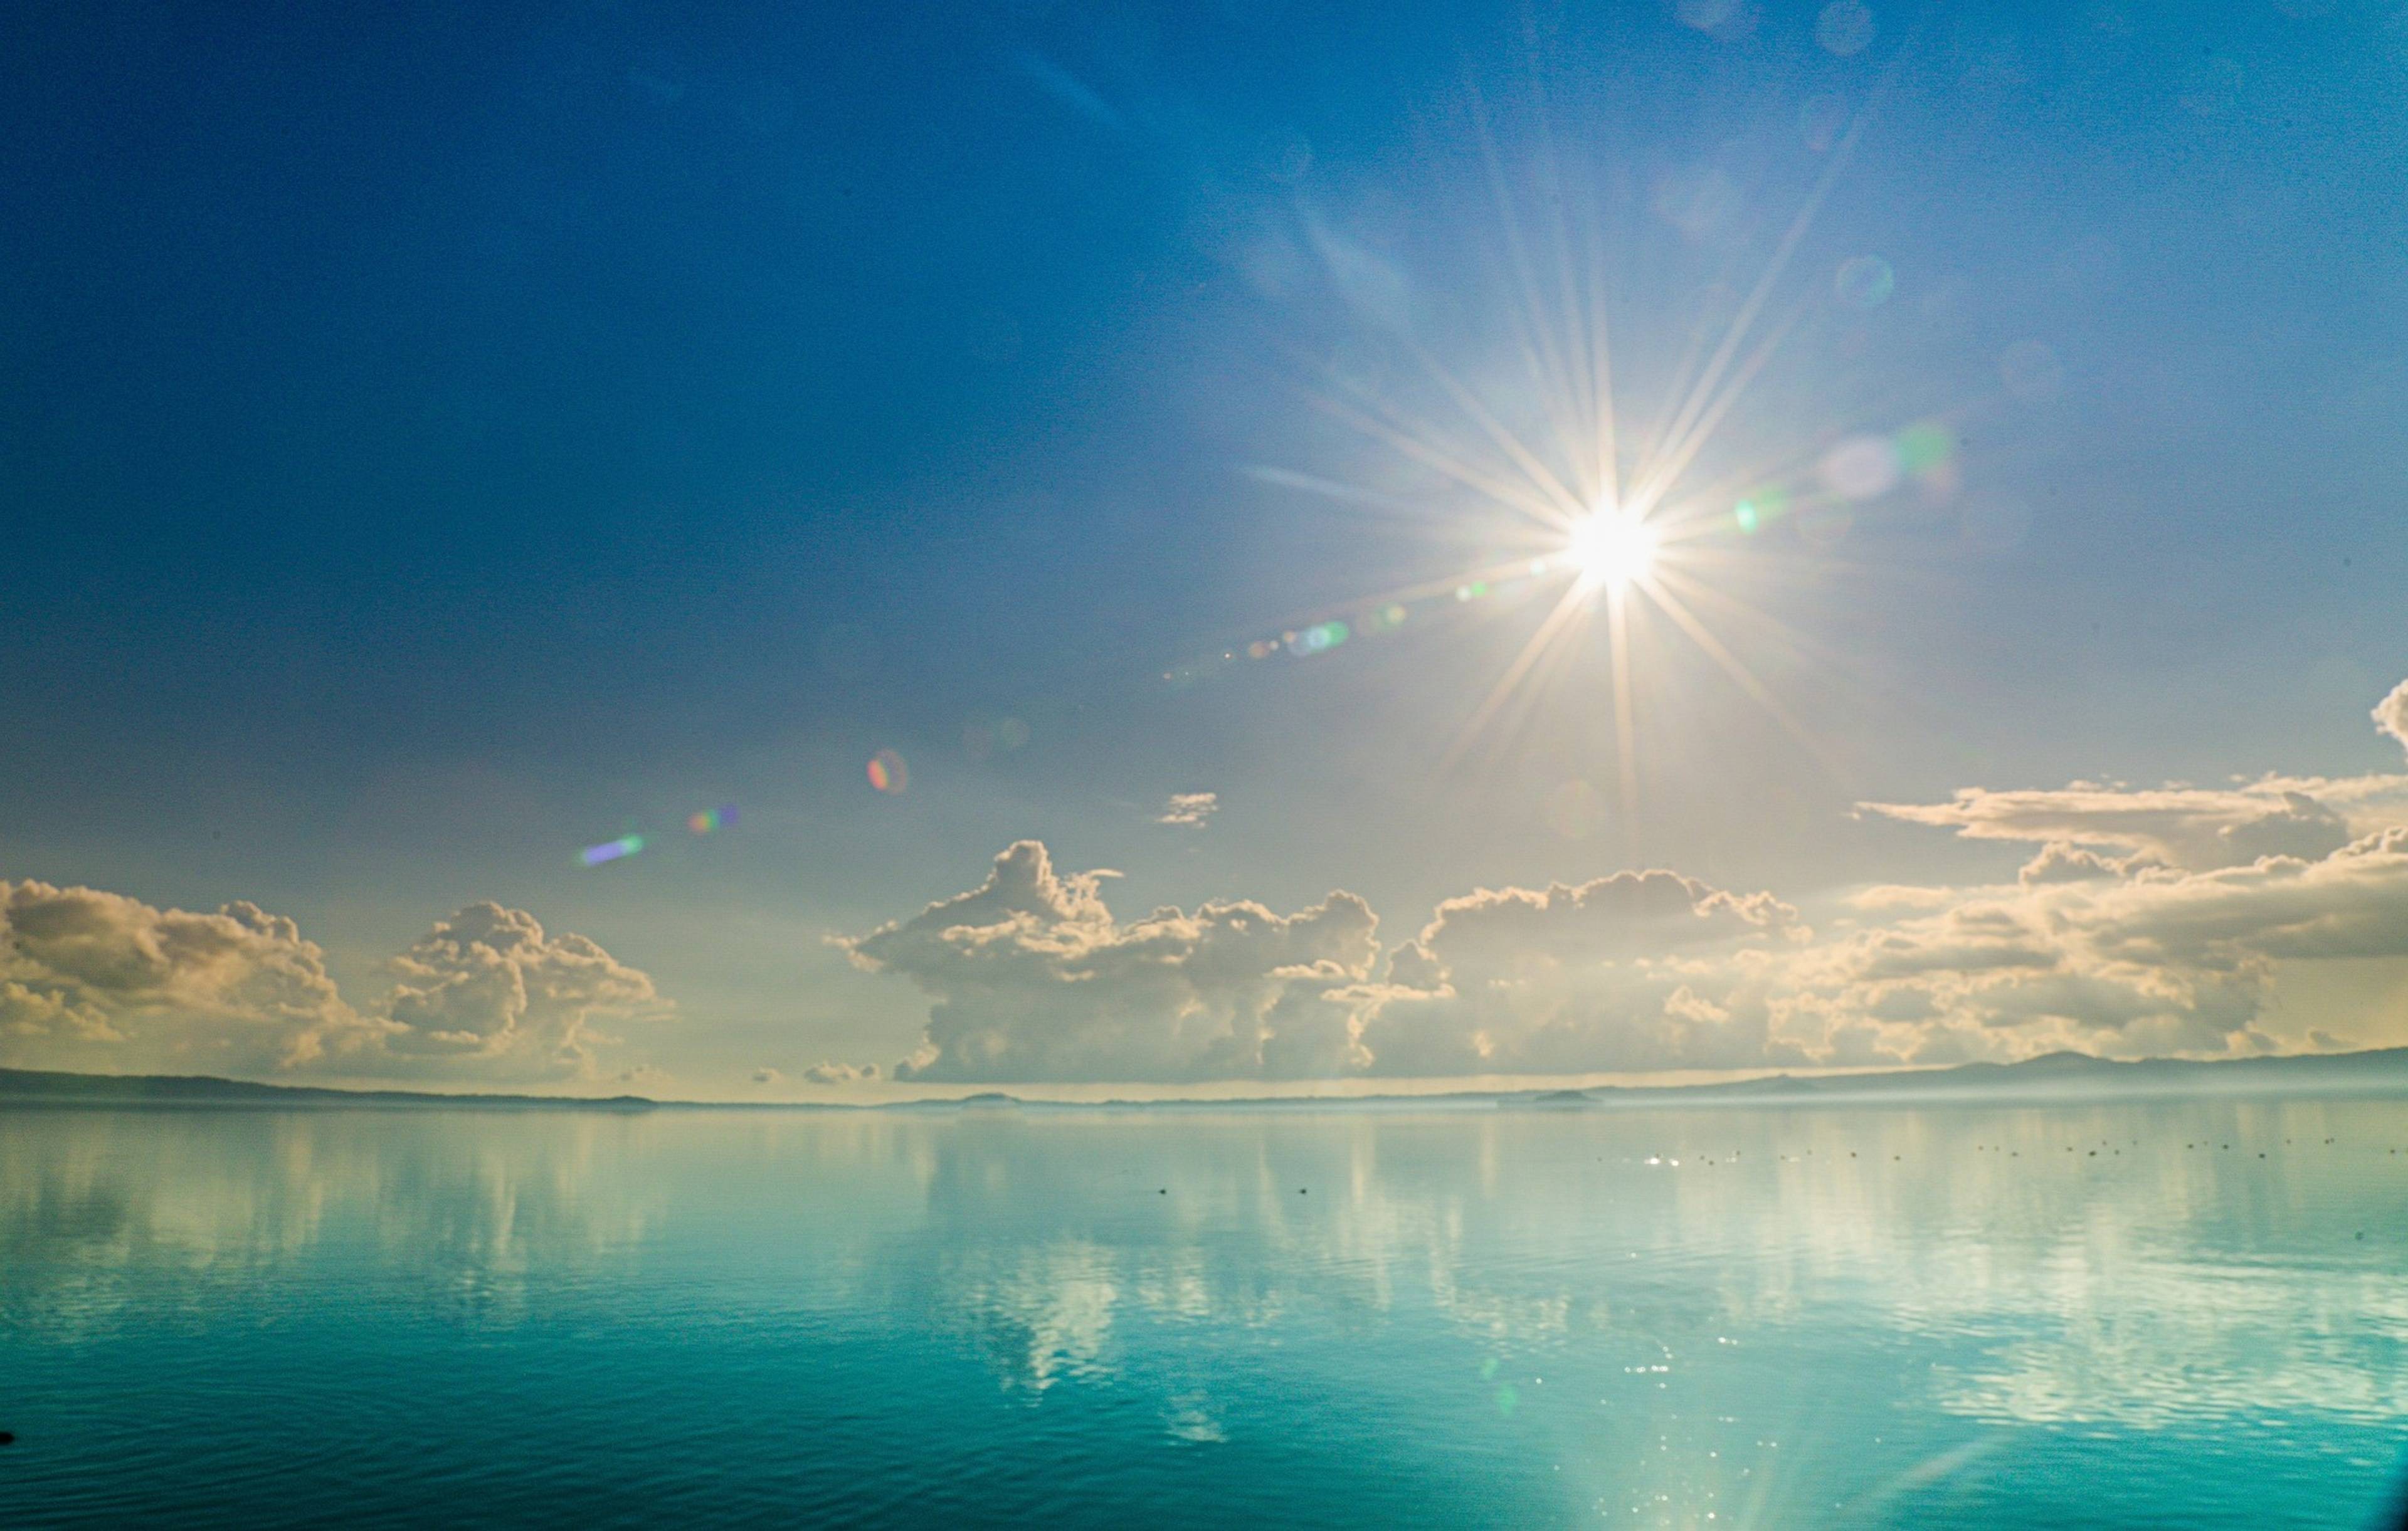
column 2190, row 1312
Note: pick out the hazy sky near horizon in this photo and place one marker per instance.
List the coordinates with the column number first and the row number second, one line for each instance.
column 432, row 445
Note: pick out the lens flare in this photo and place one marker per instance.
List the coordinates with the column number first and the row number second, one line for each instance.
column 626, row 845
column 888, row 773
column 704, row 821
column 1862, row 467
column 1865, row 281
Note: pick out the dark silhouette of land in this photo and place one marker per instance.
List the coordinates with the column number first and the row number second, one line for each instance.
column 2055, row 1076
column 39, row 1087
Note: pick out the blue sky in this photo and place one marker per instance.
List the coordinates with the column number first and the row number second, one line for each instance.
column 433, row 443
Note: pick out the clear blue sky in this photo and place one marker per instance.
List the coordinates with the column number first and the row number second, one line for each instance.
column 433, row 441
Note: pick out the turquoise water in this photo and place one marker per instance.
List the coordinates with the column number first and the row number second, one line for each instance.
column 1367, row 1317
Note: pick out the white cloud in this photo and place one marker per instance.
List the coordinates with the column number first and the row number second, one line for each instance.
column 2391, row 713
column 94, row 979
column 1624, row 914
column 1035, row 981
column 2166, row 961
column 840, row 1073
column 1637, row 970
column 1034, row 978
column 487, row 992
column 2152, row 921
column 87, row 978
column 1189, row 809
column 2189, row 827
column 2008, row 973
column 2352, row 903
column 2058, row 861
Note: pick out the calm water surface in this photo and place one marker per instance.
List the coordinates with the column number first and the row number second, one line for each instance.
column 1368, row 1316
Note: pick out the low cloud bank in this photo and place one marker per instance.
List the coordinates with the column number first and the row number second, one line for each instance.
column 2150, row 921
column 98, row 980
column 2147, row 921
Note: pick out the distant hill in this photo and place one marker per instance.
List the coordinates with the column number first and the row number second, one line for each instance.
column 2054, row 1077
column 37, row 1087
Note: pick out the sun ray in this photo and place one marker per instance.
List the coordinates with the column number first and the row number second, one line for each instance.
column 1333, row 489
column 1625, row 728
column 1505, row 493
column 1496, row 431
column 1773, row 268
column 1602, row 378
column 1569, row 610
column 1667, row 471
column 1762, row 694
column 1540, row 684
column 1549, row 370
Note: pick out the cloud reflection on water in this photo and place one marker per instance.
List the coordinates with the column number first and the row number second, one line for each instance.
column 1983, row 1263
column 2148, row 1284
column 147, row 1214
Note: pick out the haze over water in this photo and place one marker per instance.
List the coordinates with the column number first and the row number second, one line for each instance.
column 1371, row 1316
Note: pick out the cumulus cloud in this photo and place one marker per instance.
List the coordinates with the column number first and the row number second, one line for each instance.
column 1033, row 978
column 2391, row 714
column 87, row 975
column 2168, row 962
column 1624, row 914
column 2151, row 920
column 2175, row 947
column 94, row 979
column 840, row 1073
column 1190, row 809
column 1636, row 970
column 2351, row 903
column 766, row 1076
column 2058, row 861
column 2009, row 974
column 490, row 990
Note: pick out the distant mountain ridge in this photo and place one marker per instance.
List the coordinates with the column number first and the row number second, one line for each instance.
column 2051, row 1076
column 2056, row 1076
column 42, row 1087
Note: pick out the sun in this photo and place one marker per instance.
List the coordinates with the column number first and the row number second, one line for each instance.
column 1611, row 548
column 1616, row 528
